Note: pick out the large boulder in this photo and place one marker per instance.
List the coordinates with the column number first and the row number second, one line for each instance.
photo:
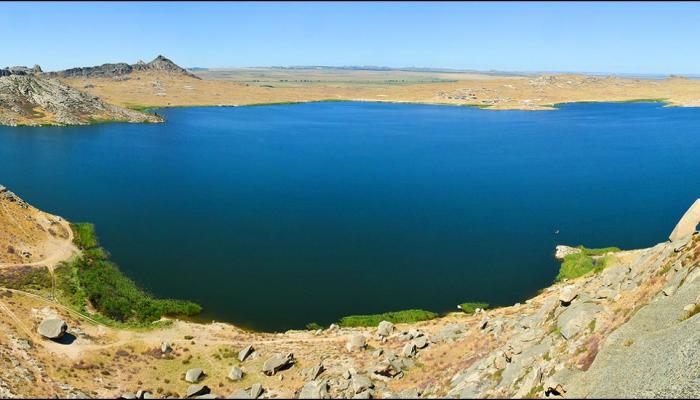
column 385, row 329
column 277, row 363
column 52, row 328
column 193, row 375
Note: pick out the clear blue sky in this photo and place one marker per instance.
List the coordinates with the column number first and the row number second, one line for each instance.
column 585, row 37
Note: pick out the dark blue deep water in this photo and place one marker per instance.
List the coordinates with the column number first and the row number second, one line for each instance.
column 275, row 216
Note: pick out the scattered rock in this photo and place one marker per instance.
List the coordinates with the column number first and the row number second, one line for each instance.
column 235, row 374
column 409, row 350
column 367, row 394
column 421, row 342
column 52, row 328
column 361, row 383
column 567, row 295
column 314, row 390
column 256, row 390
column 312, row 373
column 356, row 343
column 166, row 348
column 451, row 332
column 240, row 394
column 389, row 369
column 385, row 329
column 277, row 363
column 193, row 375
column 197, row 390
column 245, row 353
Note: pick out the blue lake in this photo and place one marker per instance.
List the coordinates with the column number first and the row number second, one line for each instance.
column 271, row 217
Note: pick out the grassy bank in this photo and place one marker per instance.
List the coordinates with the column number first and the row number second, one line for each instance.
column 588, row 260
column 93, row 281
column 470, row 308
column 400, row 317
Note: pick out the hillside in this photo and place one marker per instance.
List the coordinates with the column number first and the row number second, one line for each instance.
column 628, row 328
column 35, row 99
column 159, row 64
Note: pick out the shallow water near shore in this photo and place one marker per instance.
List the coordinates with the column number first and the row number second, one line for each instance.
column 272, row 217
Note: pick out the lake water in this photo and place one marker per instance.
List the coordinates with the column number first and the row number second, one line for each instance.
column 275, row 216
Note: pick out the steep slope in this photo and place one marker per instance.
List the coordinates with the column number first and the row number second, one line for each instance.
column 34, row 99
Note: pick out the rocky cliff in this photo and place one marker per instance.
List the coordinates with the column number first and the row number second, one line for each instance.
column 28, row 97
column 159, row 64
column 630, row 329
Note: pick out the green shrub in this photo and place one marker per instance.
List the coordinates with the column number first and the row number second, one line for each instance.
column 598, row 252
column 93, row 278
column 25, row 277
column 406, row 316
column 312, row 326
column 579, row 264
column 470, row 308
column 84, row 235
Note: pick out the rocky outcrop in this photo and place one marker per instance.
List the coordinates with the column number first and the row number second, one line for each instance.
column 33, row 99
column 159, row 64
column 20, row 70
column 562, row 251
column 687, row 224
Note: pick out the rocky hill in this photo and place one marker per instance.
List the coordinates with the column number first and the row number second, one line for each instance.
column 628, row 329
column 29, row 97
column 159, row 64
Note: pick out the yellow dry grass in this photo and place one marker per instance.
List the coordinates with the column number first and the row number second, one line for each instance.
column 153, row 89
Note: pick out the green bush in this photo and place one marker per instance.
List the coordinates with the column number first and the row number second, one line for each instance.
column 579, row 264
column 84, row 235
column 598, row 252
column 469, row 308
column 406, row 316
column 312, row 326
column 93, row 278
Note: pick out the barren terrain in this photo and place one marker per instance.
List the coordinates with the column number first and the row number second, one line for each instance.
column 261, row 86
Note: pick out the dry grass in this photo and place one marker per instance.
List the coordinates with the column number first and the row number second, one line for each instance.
column 158, row 89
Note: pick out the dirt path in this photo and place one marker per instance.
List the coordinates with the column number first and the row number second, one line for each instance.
column 61, row 250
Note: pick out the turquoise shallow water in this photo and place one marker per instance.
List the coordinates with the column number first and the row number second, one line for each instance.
column 275, row 216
